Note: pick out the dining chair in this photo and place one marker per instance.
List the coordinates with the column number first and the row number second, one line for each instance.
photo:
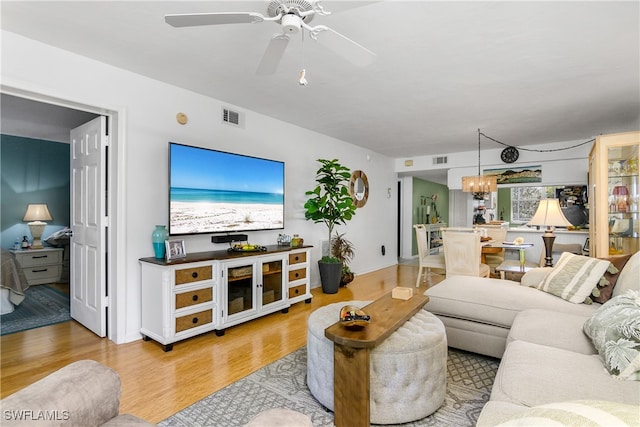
column 462, row 252
column 498, row 235
column 426, row 260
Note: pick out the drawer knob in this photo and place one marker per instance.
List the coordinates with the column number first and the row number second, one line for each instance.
column 297, row 291
column 194, row 274
column 195, row 297
column 194, row 320
column 297, row 258
column 297, row 274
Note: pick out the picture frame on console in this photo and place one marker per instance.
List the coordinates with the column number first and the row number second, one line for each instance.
column 175, row 249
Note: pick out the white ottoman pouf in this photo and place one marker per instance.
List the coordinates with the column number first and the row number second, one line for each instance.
column 280, row 417
column 408, row 370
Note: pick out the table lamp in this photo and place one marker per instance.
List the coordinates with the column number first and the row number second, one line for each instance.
column 37, row 213
column 549, row 215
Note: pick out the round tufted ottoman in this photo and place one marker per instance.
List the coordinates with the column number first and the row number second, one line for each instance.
column 408, row 370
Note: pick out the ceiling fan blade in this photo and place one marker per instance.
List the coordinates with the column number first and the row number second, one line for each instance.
column 273, row 54
column 196, row 19
column 343, row 46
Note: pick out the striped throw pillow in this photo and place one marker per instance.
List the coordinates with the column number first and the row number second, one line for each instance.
column 574, row 277
column 578, row 413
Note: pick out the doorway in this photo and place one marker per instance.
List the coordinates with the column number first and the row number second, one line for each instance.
column 38, row 113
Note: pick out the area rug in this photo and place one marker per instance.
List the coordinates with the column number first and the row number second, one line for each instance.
column 282, row 384
column 42, row 306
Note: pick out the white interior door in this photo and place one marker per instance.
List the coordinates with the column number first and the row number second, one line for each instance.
column 88, row 223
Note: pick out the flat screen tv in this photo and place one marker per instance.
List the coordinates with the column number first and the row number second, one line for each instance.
column 213, row 191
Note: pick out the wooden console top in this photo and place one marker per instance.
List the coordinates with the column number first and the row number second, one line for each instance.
column 221, row 255
column 387, row 315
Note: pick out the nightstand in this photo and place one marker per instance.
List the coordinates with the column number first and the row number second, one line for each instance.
column 40, row 266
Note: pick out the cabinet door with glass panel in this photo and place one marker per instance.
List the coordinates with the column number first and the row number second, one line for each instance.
column 253, row 286
column 614, row 207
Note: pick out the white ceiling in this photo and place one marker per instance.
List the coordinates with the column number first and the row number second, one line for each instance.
column 523, row 72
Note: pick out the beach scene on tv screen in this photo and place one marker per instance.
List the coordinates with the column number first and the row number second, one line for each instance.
column 213, row 191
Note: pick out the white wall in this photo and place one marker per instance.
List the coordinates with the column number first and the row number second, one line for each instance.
column 147, row 110
column 558, row 167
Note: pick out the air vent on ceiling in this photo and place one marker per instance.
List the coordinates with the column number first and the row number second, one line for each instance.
column 440, row 160
column 230, row 117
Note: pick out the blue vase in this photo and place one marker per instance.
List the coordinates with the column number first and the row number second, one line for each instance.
column 159, row 235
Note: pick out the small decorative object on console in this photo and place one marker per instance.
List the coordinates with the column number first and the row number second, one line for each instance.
column 352, row 317
column 401, row 293
column 158, row 237
column 246, row 247
column 284, row 240
column 175, row 249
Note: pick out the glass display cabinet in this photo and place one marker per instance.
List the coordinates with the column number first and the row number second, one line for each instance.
column 252, row 285
column 614, row 199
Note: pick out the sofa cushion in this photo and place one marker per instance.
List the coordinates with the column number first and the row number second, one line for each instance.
column 576, row 413
column 493, row 301
column 495, row 412
column 628, row 277
column 83, row 393
column 574, row 277
column 533, row 374
column 535, row 325
column 615, row 331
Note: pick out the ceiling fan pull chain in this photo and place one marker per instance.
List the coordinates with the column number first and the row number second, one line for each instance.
column 301, row 78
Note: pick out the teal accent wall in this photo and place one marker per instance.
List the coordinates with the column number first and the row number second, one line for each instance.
column 422, row 192
column 32, row 171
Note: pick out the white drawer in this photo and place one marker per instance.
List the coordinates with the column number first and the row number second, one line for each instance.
column 43, row 274
column 38, row 258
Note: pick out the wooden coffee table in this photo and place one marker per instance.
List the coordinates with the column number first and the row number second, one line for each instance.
column 351, row 353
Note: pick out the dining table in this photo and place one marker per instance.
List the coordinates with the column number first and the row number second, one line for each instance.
column 493, row 247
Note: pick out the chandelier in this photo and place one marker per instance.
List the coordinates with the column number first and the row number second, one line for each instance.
column 480, row 183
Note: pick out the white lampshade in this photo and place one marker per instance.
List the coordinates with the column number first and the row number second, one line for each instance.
column 549, row 214
column 36, row 214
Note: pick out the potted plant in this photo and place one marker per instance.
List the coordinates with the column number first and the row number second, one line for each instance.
column 330, row 203
column 344, row 251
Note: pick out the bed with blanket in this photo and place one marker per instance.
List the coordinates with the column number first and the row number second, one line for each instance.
column 12, row 282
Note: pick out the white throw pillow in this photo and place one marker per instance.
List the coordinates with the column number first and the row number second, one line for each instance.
column 577, row 413
column 574, row 277
column 534, row 277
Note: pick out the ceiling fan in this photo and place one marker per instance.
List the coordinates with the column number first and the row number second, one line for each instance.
column 293, row 16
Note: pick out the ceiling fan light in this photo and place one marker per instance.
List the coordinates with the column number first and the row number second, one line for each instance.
column 291, row 23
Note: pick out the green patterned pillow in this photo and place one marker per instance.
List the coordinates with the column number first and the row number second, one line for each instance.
column 615, row 331
column 574, row 277
column 578, row 413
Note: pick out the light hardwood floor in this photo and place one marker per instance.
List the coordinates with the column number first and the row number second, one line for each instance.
column 156, row 384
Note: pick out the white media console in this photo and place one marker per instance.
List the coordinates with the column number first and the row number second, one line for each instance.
column 210, row 291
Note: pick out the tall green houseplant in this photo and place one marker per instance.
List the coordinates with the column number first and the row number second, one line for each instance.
column 331, row 204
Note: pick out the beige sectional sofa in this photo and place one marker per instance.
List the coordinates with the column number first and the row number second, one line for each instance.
column 546, row 356
column 83, row 393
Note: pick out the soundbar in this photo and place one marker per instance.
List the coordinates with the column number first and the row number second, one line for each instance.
column 229, row 238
